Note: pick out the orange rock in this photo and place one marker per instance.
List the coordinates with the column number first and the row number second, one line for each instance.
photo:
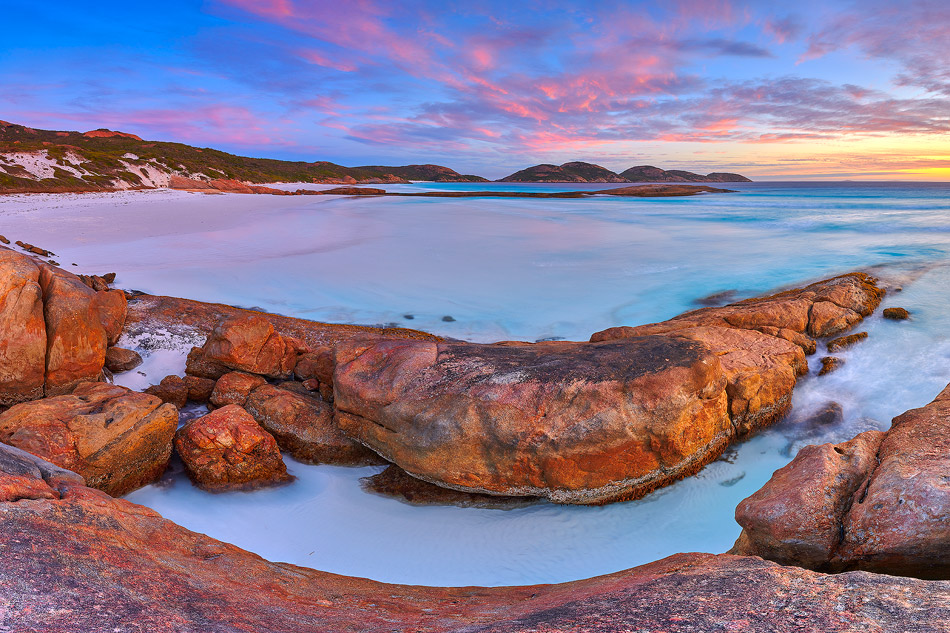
column 250, row 344
column 22, row 329
column 199, row 389
column 877, row 503
column 172, row 390
column 199, row 366
column 69, row 550
column 117, row 439
column 75, row 336
column 795, row 519
column 234, row 388
column 572, row 422
column 304, row 426
column 228, row 450
column 119, row 359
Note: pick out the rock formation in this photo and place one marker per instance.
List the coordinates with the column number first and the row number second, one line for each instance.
column 77, row 560
column 633, row 410
column 879, row 502
column 54, row 330
column 303, row 426
column 117, row 439
column 228, row 450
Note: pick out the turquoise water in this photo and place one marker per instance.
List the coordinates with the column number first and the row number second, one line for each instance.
column 531, row 269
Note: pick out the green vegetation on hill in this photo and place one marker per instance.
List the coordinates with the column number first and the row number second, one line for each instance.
column 102, row 156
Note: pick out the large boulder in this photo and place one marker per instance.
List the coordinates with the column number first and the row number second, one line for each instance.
column 632, row 410
column 304, row 427
column 796, row 518
column 756, row 339
column 228, row 450
column 80, row 322
column 22, row 329
column 880, row 502
column 118, row 439
column 68, row 550
column 573, row 422
column 252, row 345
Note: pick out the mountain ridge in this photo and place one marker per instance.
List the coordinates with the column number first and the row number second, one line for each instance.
column 577, row 171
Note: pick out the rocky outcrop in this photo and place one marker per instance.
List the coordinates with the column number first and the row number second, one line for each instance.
column 633, row 410
column 54, row 330
column 896, row 314
column 879, row 502
column 573, row 422
column 762, row 342
column 252, row 345
column 228, row 450
column 117, row 439
column 69, row 550
column 22, row 329
column 304, row 427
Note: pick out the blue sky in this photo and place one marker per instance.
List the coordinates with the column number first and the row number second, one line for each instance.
column 774, row 90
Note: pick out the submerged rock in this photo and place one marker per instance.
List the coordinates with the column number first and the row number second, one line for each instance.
column 118, row 439
column 882, row 499
column 397, row 483
column 896, row 314
column 228, row 450
column 830, row 364
column 844, row 342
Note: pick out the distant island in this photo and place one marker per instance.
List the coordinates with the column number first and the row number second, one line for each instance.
column 49, row 161
column 588, row 172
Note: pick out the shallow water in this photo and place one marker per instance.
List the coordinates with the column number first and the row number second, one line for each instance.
column 519, row 269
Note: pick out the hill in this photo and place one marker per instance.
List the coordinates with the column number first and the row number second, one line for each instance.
column 587, row 172
column 33, row 160
column 568, row 172
column 647, row 173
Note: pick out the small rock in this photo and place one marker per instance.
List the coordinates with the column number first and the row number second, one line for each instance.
column 829, row 414
column 397, row 483
column 896, row 314
column 234, row 388
column 448, row 319
column 844, row 342
column 201, row 366
column 4, row 240
column 318, row 364
column 172, row 389
column 119, row 359
column 409, row 317
column 830, row 364
column 228, row 450
column 199, row 389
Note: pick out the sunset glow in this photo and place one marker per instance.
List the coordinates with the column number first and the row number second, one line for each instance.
column 810, row 90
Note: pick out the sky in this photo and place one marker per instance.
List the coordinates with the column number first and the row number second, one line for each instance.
column 773, row 90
